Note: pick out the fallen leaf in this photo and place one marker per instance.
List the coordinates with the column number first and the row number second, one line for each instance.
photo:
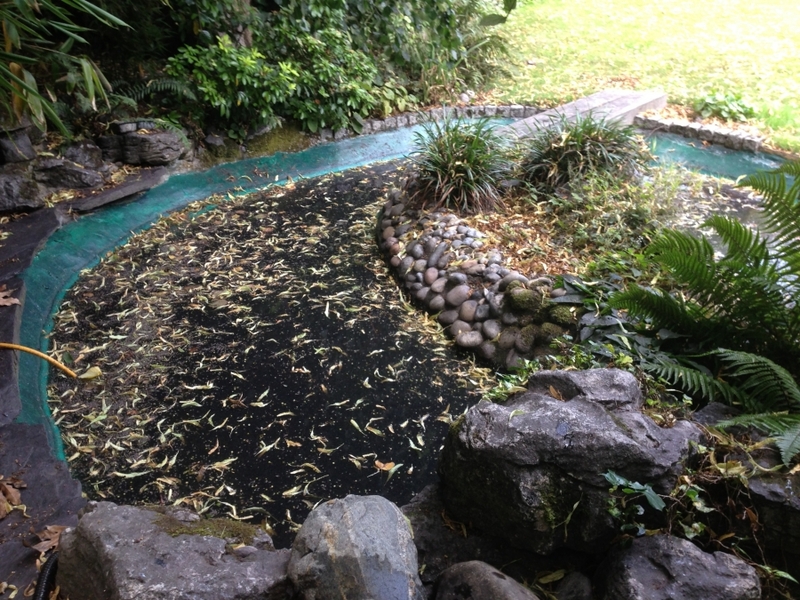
column 91, row 373
column 50, row 537
column 5, row 297
column 11, row 494
column 556, row 394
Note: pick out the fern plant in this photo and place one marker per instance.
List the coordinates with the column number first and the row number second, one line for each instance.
column 737, row 317
column 783, row 426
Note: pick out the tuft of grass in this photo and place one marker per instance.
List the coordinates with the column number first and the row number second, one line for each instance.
column 459, row 165
column 564, row 151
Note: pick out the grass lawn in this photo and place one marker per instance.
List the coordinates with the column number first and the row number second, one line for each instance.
column 563, row 49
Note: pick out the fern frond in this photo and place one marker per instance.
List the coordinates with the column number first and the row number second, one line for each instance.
column 743, row 245
column 168, row 85
column 781, row 204
column 767, row 385
column 696, row 383
column 789, row 444
column 662, row 309
column 776, row 423
column 783, row 426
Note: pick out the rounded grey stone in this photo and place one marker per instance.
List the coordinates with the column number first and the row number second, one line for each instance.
column 420, row 265
column 421, row 293
column 448, row 317
column 509, row 319
column 482, row 312
column 415, row 250
column 487, row 349
column 458, row 295
column 436, row 302
column 492, row 328
column 469, row 339
column 512, row 276
column 439, row 285
column 405, row 264
column 507, row 338
column 458, row 326
column 431, row 275
column 467, row 312
column 395, row 261
column 457, row 278
column 444, row 260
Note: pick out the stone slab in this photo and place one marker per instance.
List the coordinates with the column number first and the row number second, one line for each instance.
column 140, row 182
column 612, row 105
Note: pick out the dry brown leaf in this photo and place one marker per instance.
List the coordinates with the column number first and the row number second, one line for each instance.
column 5, row 297
column 50, row 537
column 11, row 494
column 556, row 394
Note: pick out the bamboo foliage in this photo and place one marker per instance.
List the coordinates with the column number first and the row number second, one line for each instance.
column 29, row 28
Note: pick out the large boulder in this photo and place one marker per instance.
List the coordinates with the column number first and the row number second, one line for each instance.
column 531, row 471
column 152, row 149
column 359, row 548
column 125, row 552
column 15, row 146
column 663, row 567
column 18, row 192
column 148, row 149
column 475, row 580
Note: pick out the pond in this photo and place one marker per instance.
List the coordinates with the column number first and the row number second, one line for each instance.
column 257, row 355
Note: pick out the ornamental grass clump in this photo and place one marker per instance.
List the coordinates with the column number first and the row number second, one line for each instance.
column 459, row 165
column 563, row 150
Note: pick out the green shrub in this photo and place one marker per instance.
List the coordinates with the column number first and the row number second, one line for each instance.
column 564, row 150
column 728, row 106
column 237, row 81
column 459, row 165
column 333, row 83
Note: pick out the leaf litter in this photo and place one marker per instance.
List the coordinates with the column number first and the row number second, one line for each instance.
column 257, row 359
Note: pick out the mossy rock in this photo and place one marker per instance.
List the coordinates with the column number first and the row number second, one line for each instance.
column 550, row 331
column 513, row 285
column 562, row 315
column 226, row 529
column 528, row 301
column 527, row 335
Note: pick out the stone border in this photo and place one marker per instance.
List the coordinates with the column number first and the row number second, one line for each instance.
column 442, row 263
column 730, row 138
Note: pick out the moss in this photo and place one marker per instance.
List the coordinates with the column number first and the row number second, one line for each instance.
column 528, row 301
column 456, row 425
column 512, row 285
column 528, row 335
column 562, row 315
column 215, row 527
column 282, row 139
column 549, row 331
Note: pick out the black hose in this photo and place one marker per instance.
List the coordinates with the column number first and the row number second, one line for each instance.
column 47, row 578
